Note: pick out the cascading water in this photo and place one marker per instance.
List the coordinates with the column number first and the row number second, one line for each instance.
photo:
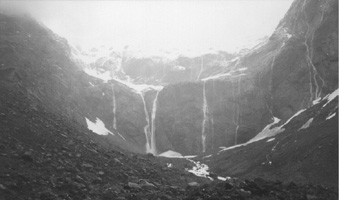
column 201, row 68
column 236, row 110
column 153, row 149
column 149, row 129
column 114, row 114
column 146, row 128
column 205, row 120
column 114, row 110
column 314, row 93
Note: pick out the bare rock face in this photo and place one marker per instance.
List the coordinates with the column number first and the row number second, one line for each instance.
column 38, row 63
column 298, row 64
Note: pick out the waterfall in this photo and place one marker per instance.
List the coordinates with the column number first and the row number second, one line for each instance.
column 236, row 109
column 205, row 120
column 313, row 73
column 154, row 111
column 238, row 112
column 149, row 129
column 114, row 110
column 114, row 114
column 201, row 68
column 146, row 128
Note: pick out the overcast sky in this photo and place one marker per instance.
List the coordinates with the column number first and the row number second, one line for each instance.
column 154, row 25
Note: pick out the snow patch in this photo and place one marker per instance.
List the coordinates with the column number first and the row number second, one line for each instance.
column 138, row 88
column 178, row 68
column 103, row 76
column 174, row 154
column 223, row 178
column 232, row 147
column 268, row 132
column 265, row 133
column 296, row 114
column 207, row 156
column 331, row 116
column 330, row 97
column 270, row 140
column 199, row 169
column 316, row 101
column 242, row 69
column 98, row 127
column 307, row 124
column 216, row 76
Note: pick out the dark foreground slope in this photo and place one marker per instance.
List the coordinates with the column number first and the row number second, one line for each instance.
column 38, row 63
column 300, row 153
column 44, row 156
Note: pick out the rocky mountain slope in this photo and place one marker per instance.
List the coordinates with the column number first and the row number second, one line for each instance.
column 48, row 102
column 230, row 104
column 305, row 149
column 231, row 101
column 298, row 64
column 45, row 156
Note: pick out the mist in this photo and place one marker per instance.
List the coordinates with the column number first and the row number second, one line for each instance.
column 153, row 26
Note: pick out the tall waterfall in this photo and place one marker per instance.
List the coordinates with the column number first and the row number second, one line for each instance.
column 205, row 120
column 149, row 129
column 114, row 114
column 153, row 149
column 114, row 109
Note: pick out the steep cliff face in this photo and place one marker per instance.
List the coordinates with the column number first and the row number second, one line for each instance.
column 308, row 69
column 38, row 63
column 298, row 64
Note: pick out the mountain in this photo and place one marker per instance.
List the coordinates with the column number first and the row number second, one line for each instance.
column 107, row 63
column 303, row 149
column 272, row 109
column 297, row 65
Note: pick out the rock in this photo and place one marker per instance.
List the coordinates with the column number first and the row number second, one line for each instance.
column 47, row 195
column 165, row 197
column 144, row 183
column 101, row 173
column 27, row 156
column 213, row 175
column 311, row 197
column 133, row 185
column 228, row 186
column 2, row 187
column 117, row 161
column 193, row 184
column 86, row 165
column 244, row 193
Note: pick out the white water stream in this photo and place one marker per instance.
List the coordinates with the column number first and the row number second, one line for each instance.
column 149, row 129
